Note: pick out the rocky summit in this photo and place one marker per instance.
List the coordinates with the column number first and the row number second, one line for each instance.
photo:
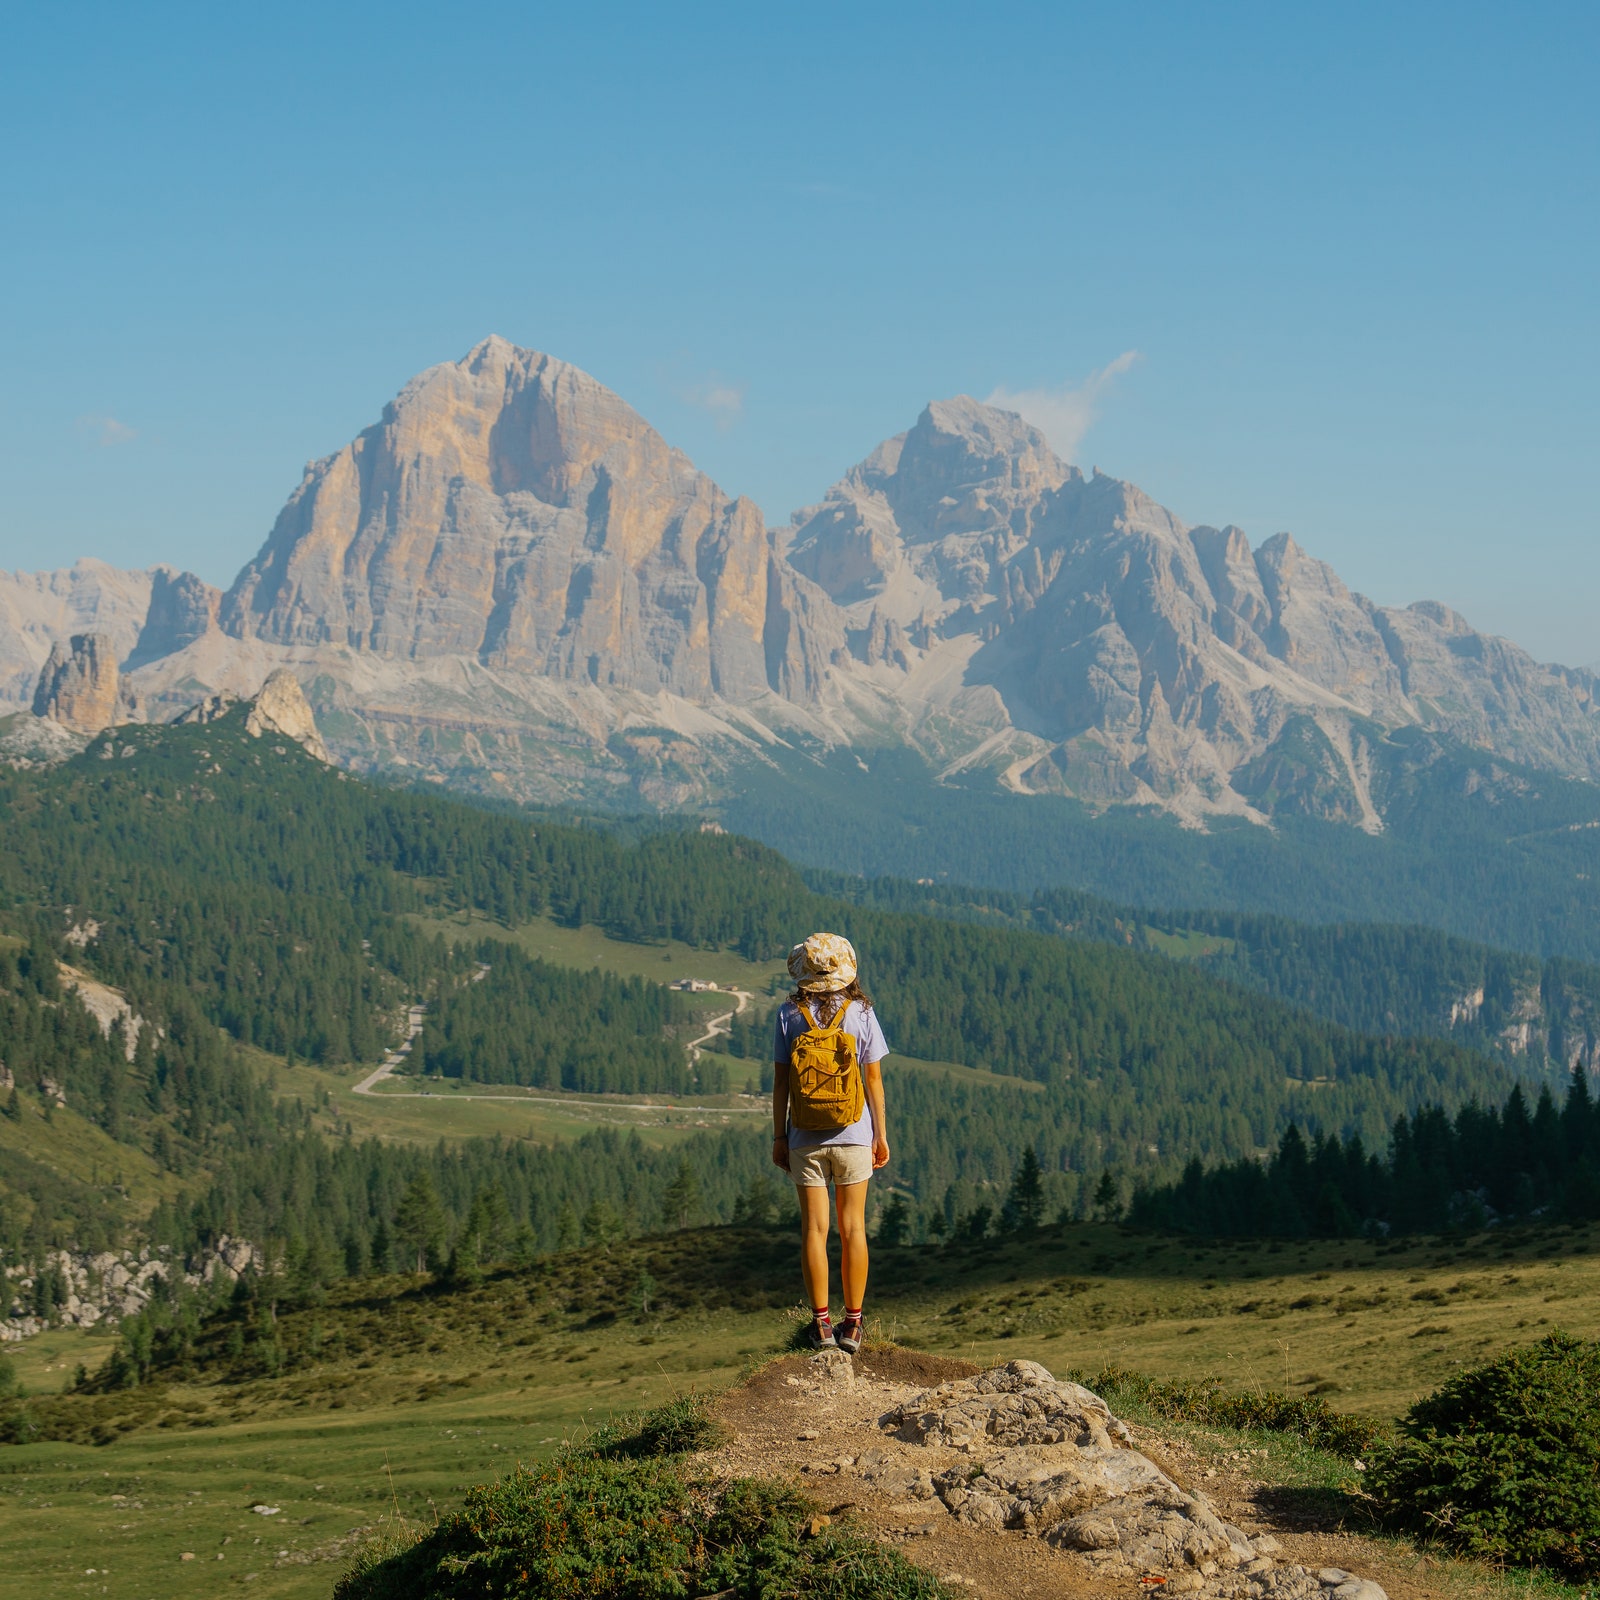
column 78, row 686
column 513, row 582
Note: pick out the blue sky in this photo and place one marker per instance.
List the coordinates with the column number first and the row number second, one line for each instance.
column 1324, row 269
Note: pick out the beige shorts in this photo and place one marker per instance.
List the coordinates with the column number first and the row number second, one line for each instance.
column 821, row 1164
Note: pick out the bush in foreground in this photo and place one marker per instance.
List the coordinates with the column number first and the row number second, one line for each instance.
column 624, row 1519
column 1503, row 1462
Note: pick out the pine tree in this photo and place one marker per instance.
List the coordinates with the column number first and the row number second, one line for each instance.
column 601, row 1224
column 1107, row 1197
column 419, row 1221
column 895, row 1222
column 754, row 1207
column 1024, row 1207
column 567, row 1229
column 681, row 1202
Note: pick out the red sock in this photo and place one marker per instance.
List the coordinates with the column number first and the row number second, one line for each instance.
column 821, row 1314
column 852, row 1315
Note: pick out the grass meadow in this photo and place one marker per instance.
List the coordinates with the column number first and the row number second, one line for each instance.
column 416, row 1392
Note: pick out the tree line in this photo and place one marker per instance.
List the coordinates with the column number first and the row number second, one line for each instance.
column 1439, row 1173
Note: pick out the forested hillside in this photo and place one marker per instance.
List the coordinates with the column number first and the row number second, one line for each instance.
column 531, row 1023
column 1504, row 856
column 1540, row 1016
column 241, row 893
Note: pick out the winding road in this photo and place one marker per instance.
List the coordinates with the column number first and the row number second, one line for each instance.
column 717, row 1027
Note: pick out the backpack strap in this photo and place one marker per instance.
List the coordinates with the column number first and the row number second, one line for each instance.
column 805, row 1011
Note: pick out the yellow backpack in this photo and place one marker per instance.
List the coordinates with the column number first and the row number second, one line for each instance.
column 825, row 1089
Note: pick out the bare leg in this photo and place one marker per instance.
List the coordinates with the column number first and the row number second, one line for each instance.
column 814, row 1242
column 851, row 1201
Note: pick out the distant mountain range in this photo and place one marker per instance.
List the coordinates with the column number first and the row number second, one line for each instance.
column 513, row 583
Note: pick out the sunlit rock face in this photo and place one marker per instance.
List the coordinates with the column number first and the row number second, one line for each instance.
column 511, row 509
column 1136, row 658
column 281, row 707
column 78, row 684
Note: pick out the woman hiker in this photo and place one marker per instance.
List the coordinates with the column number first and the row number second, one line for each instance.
column 827, row 1121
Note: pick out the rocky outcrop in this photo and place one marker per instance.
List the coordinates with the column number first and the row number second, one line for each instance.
column 27, row 741
column 38, row 609
column 78, row 685
column 145, row 615
column 1016, row 1448
column 282, row 708
column 81, row 1289
column 182, row 609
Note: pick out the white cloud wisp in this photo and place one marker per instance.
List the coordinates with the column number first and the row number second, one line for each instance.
column 725, row 401
column 107, row 431
column 1065, row 414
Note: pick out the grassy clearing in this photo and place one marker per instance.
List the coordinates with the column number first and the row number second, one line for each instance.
column 452, row 1113
column 451, row 1388
column 455, row 1111
column 73, row 1147
column 589, row 947
column 1369, row 1326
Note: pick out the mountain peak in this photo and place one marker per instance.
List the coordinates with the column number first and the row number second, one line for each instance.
column 978, row 441
column 511, row 510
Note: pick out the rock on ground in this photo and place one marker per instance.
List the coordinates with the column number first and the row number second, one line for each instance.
column 1014, row 1453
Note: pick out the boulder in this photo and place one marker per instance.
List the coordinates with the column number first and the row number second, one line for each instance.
column 1044, row 1455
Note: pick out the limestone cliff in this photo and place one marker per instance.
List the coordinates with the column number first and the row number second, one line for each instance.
column 78, row 685
column 1136, row 658
column 182, row 609
column 511, row 510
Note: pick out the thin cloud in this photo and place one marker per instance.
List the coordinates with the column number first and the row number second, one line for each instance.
column 1065, row 414
column 107, row 431
column 724, row 400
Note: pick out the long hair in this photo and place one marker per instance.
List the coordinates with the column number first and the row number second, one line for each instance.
column 829, row 1003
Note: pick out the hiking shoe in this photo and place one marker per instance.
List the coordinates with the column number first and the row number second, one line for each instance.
column 821, row 1338
column 848, row 1337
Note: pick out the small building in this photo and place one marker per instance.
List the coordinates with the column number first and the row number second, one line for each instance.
column 692, row 985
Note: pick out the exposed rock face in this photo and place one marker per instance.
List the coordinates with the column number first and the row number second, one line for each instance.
column 512, row 580
column 183, row 608
column 27, row 741
column 510, row 509
column 114, row 1283
column 37, row 609
column 78, row 686
column 282, row 708
column 1135, row 658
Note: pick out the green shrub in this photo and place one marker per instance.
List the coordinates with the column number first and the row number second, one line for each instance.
column 622, row 1520
column 1308, row 1417
column 1503, row 1462
column 679, row 1426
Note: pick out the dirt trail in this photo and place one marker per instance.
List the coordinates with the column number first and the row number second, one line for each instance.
column 720, row 1025
column 820, row 1421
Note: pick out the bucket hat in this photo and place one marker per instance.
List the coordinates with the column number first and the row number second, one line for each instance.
column 823, row 963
